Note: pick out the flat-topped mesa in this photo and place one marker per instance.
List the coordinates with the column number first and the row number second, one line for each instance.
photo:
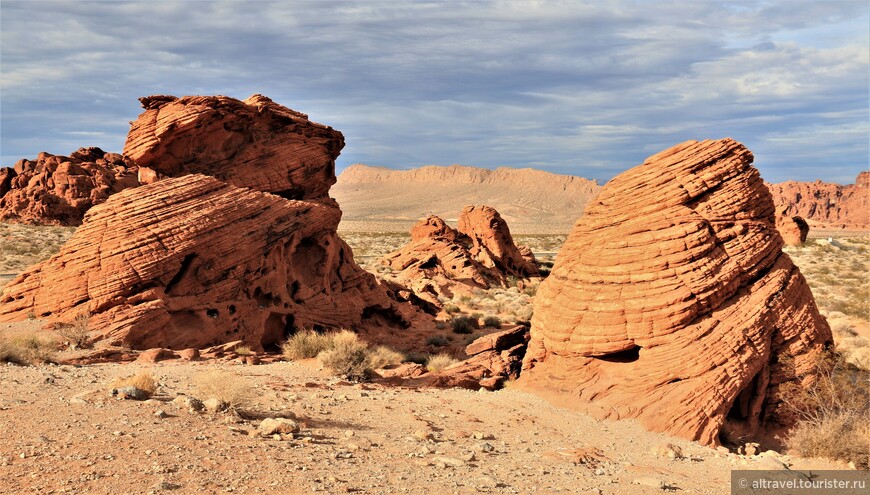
column 192, row 262
column 254, row 143
column 673, row 303
column 58, row 190
column 480, row 253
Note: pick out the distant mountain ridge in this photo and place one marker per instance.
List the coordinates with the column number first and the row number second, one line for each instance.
column 522, row 196
column 533, row 200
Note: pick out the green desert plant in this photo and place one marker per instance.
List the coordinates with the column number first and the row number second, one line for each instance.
column 463, row 324
column 492, row 322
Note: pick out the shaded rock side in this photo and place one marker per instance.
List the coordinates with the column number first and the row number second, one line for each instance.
column 191, row 261
column 825, row 204
column 58, row 190
column 254, row 143
column 673, row 303
column 480, row 253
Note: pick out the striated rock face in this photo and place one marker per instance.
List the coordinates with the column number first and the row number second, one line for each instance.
column 480, row 253
column 191, row 261
column 826, row 205
column 254, row 143
column 793, row 230
column 673, row 303
column 58, row 190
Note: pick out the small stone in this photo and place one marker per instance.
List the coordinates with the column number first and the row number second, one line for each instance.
column 271, row 426
column 160, row 414
column 750, row 449
column 668, row 451
column 486, row 481
column 214, row 405
column 479, row 435
column 651, row 482
column 422, row 435
column 349, row 433
column 469, row 457
column 449, row 461
column 77, row 400
column 130, row 393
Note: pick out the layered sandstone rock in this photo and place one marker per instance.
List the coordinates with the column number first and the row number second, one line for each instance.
column 254, row 143
column 192, row 261
column 793, row 229
column 672, row 302
column 480, row 253
column 58, row 190
column 824, row 204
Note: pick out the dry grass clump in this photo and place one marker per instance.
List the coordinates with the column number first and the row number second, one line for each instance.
column 306, row 344
column 244, row 351
column 76, row 334
column 463, row 324
column 441, row 361
column 833, row 417
column 492, row 322
column 382, row 356
column 143, row 381
column 27, row 349
column 233, row 391
column 348, row 357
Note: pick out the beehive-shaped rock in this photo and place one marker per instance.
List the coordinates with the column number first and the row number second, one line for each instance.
column 672, row 302
column 254, row 143
column 58, row 190
column 480, row 253
column 192, row 261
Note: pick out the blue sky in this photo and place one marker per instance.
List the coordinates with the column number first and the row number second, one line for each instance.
column 583, row 88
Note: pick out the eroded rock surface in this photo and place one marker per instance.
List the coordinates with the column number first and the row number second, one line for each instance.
column 58, row 190
column 673, row 303
column 793, row 229
column 825, row 204
column 254, row 143
column 192, row 261
column 479, row 253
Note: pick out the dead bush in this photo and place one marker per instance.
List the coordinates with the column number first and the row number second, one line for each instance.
column 348, row 357
column 440, row 361
column 833, row 417
column 28, row 349
column 383, row 356
column 233, row 391
column 76, row 334
column 143, row 381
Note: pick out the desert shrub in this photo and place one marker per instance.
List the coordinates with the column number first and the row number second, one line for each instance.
column 244, row 351
column 451, row 309
column 305, row 345
column 417, row 358
column 348, row 357
column 28, row 349
column 833, row 417
column 440, row 361
column 438, row 340
column 382, row 356
column 143, row 381
column 465, row 299
column 492, row 322
column 463, row 324
column 77, row 332
column 233, row 391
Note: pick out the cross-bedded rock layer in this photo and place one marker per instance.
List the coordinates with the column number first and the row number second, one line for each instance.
column 673, row 303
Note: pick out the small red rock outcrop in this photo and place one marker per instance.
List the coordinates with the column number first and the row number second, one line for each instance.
column 58, row 190
column 673, row 303
column 192, row 261
column 793, row 229
column 480, row 253
column 824, row 204
column 254, row 143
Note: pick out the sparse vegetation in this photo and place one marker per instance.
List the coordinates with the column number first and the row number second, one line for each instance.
column 451, row 309
column 463, row 324
column 76, row 334
column 244, row 351
column 233, row 391
column 305, row 344
column 27, row 349
column 492, row 322
column 438, row 340
column 142, row 381
column 833, row 417
column 439, row 362
column 382, row 356
column 348, row 357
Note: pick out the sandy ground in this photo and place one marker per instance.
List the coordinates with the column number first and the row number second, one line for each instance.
column 64, row 433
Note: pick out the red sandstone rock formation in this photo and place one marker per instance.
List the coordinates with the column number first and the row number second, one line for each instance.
column 254, row 143
column 793, row 230
column 826, row 205
column 58, row 190
column 480, row 253
column 673, row 303
column 192, row 261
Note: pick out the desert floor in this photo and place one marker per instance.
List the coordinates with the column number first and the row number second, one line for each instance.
column 63, row 432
